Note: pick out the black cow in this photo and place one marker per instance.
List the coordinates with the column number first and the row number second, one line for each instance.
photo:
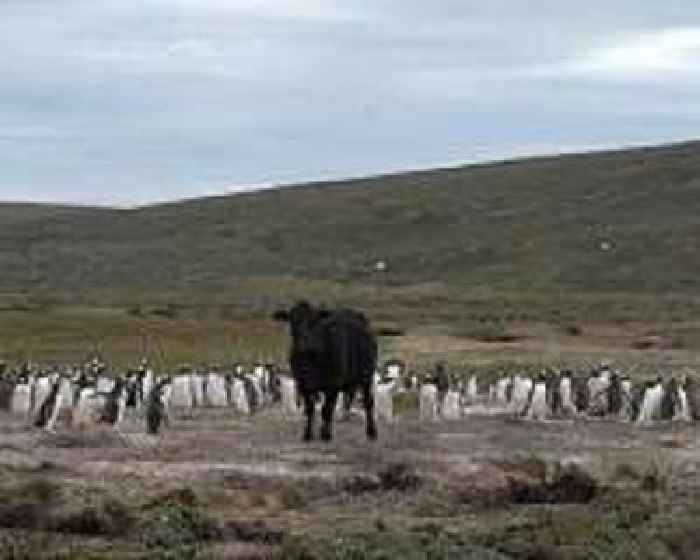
column 332, row 352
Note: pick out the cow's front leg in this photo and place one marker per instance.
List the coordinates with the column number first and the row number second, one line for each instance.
column 327, row 411
column 368, row 397
column 309, row 410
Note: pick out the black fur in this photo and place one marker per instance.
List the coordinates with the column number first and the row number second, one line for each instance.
column 332, row 352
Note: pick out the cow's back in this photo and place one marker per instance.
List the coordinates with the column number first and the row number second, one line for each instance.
column 350, row 347
column 338, row 351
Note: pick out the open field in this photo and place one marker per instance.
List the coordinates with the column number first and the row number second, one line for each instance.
column 594, row 243
column 479, row 339
column 217, row 485
column 551, row 261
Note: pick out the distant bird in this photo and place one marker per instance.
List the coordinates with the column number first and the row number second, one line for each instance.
column 48, row 406
column 155, row 407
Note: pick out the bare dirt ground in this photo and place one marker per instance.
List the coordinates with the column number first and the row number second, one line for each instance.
column 216, row 484
column 219, row 485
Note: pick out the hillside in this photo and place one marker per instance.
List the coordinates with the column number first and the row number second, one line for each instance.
column 530, row 226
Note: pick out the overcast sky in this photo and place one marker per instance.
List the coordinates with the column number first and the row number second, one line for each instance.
column 104, row 101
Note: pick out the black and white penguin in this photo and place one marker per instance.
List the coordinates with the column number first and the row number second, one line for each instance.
column 155, row 408
column 114, row 403
column 669, row 400
column 615, row 396
column 581, row 397
column 48, row 409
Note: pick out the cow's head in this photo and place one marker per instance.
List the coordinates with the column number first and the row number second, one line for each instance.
column 301, row 316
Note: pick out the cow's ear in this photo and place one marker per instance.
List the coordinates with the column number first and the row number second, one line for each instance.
column 282, row 315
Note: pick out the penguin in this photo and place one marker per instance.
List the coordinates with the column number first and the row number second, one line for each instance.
column 615, row 398
column 581, row 394
column 47, row 408
column 7, row 388
column 538, row 409
column 114, row 404
column 155, row 410
column 566, row 396
column 251, row 393
column 692, row 389
column 132, row 386
column 627, row 411
column 650, row 409
column 669, row 400
column 552, row 382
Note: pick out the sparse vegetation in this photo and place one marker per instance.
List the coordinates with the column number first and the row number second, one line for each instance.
column 505, row 254
column 508, row 243
column 175, row 531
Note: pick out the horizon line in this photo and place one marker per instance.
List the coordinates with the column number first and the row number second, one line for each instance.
column 242, row 190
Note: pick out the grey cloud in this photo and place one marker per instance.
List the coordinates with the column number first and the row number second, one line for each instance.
column 132, row 102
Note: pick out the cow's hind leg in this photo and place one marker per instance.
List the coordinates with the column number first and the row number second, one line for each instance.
column 348, row 398
column 310, row 411
column 368, row 398
column 331, row 397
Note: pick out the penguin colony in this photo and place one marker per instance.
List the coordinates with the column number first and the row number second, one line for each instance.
column 94, row 396
column 91, row 395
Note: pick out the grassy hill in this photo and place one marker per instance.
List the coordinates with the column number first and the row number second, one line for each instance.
column 534, row 226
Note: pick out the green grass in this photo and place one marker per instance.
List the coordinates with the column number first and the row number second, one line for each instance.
column 531, row 226
column 480, row 250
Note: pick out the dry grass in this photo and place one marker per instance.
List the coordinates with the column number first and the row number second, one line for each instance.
column 437, row 490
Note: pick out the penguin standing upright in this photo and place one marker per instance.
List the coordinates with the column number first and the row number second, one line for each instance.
column 132, row 388
column 692, row 390
column 581, row 394
column 7, row 388
column 650, row 410
column 114, row 404
column 442, row 382
column 669, row 400
column 46, row 410
column 627, row 411
column 251, row 393
column 552, row 382
column 539, row 409
column 155, row 410
column 615, row 396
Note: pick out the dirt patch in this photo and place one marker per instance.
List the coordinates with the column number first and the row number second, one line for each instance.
column 20, row 460
column 256, row 531
column 110, row 518
column 572, row 329
column 181, row 496
column 569, row 485
column 88, row 439
column 399, row 476
column 228, row 483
